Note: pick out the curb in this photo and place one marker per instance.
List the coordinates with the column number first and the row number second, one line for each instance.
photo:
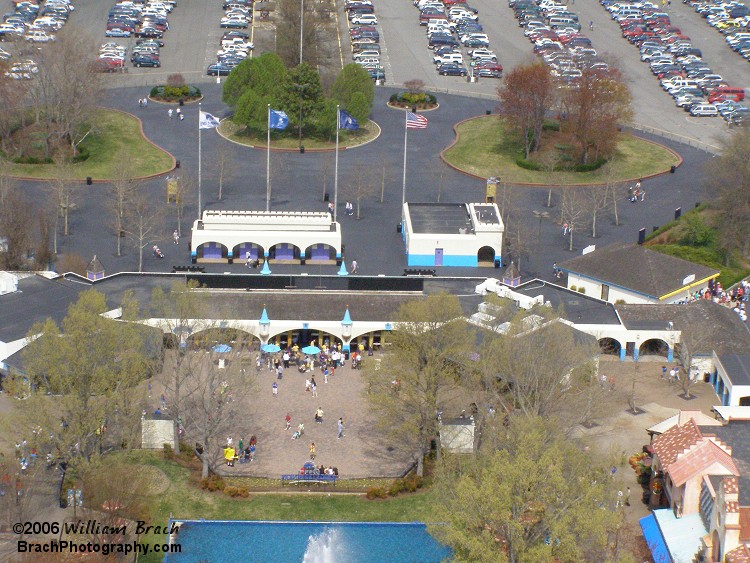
column 423, row 110
column 185, row 102
column 537, row 185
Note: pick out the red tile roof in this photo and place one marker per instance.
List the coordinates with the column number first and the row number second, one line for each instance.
column 699, row 458
column 745, row 523
column 675, row 441
column 738, row 555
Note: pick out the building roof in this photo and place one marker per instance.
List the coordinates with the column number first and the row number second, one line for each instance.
column 699, row 458
column 739, row 554
column 95, row 265
column 675, row 441
column 636, row 267
column 706, row 325
column 736, row 434
column 576, row 307
column 745, row 523
column 440, row 218
column 681, row 418
column 37, row 299
column 737, row 367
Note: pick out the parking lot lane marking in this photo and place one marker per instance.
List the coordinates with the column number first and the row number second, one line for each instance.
column 252, row 32
column 338, row 33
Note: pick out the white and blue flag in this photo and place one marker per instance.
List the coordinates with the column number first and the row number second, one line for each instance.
column 346, row 121
column 277, row 119
column 207, row 121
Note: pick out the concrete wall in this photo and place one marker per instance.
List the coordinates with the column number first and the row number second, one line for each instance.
column 156, row 433
column 594, row 289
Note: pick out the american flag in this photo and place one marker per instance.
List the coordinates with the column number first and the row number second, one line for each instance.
column 414, row 121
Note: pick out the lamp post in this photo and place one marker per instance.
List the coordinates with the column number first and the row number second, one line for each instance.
column 346, row 330
column 265, row 327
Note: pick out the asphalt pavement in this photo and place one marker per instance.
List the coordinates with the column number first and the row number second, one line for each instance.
column 371, row 240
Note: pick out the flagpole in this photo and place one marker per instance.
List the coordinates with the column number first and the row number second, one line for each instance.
column 200, row 160
column 336, row 169
column 268, row 163
column 406, row 132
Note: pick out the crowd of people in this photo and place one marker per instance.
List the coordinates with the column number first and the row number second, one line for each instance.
column 736, row 298
column 243, row 453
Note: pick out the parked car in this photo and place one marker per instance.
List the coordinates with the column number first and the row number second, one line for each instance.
column 145, row 59
column 704, row 110
column 220, row 69
column 452, row 69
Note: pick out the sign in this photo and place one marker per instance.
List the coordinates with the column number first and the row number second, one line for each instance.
column 689, row 279
column 589, row 249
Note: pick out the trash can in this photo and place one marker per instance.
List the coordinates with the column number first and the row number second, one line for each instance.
column 182, row 102
column 176, row 163
column 302, row 149
column 672, row 169
column 488, row 112
column 326, row 197
column 398, row 227
column 89, row 181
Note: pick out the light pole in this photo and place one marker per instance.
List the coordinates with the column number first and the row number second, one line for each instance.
column 301, row 27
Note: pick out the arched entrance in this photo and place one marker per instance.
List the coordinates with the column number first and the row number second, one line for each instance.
column 486, row 254
column 368, row 340
column 284, row 252
column 209, row 251
column 305, row 337
column 247, row 250
column 715, row 547
column 610, row 346
column 320, row 253
column 653, row 347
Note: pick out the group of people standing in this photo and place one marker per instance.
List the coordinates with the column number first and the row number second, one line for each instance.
column 244, row 453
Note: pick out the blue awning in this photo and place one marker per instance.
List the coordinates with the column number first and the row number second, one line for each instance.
column 654, row 539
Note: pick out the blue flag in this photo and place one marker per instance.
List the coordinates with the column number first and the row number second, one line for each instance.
column 277, row 119
column 346, row 121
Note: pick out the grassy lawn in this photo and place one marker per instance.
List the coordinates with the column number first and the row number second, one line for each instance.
column 671, row 239
column 184, row 499
column 289, row 140
column 484, row 150
column 117, row 136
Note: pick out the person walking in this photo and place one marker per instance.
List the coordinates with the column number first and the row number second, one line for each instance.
column 340, row 428
column 176, row 237
column 275, row 388
column 169, row 113
column 288, row 421
column 313, row 387
column 312, row 451
column 591, row 25
column 354, row 266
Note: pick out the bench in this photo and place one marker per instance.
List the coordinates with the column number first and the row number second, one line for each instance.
column 176, row 269
column 297, row 478
column 419, row 272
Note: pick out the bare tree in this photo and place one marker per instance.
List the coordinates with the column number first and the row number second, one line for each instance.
column 526, row 96
column 122, row 188
column 223, row 162
column 385, row 175
column 572, row 209
column 595, row 199
column 687, row 376
column 13, row 94
column 214, row 403
column 63, row 189
column 597, row 104
column 143, row 224
column 16, row 219
column 361, row 185
column 187, row 188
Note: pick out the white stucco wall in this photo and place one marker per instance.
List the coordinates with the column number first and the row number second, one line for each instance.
column 594, row 289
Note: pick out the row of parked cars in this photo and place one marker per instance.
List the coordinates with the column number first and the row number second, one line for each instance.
column 555, row 31
column 35, row 22
column 235, row 44
column 452, row 28
column 147, row 21
column 365, row 37
column 676, row 61
column 732, row 19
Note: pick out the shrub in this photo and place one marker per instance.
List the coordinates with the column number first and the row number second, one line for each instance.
column 413, row 483
column 376, row 492
column 168, row 451
column 398, row 486
column 695, row 232
column 237, row 492
column 572, row 288
column 213, row 483
column 581, row 290
column 551, row 126
column 393, row 99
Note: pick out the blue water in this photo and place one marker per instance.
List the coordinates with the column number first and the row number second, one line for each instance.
column 306, row 542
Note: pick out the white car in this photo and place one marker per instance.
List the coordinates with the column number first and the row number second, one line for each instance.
column 39, row 37
column 483, row 54
column 704, row 110
column 365, row 19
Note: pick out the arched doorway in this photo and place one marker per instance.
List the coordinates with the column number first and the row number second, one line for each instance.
column 653, row 347
column 210, row 251
column 304, row 337
column 610, row 346
column 247, row 250
column 715, row 547
column 486, row 254
column 236, row 338
column 368, row 340
column 284, row 252
column 320, row 253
